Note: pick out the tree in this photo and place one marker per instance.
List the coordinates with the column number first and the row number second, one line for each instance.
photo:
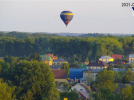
column 128, row 76
column 6, row 92
column 40, row 80
column 106, row 78
column 131, row 65
column 118, row 76
column 86, row 60
column 74, row 56
column 120, row 66
column 66, row 68
column 65, row 85
column 35, row 56
column 75, row 62
column 73, row 95
column 73, row 65
column 126, row 93
column 28, row 96
column 89, row 77
column 110, row 67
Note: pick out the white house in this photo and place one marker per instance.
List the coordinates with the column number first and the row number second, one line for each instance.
column 81, row 87
column 131, row 58
column 106, row 59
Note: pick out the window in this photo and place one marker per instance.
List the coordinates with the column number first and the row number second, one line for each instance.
column 131, row 59
column 81, row 89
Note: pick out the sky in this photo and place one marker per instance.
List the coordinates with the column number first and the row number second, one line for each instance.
column 90, row 16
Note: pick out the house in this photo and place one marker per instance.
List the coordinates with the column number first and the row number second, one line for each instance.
column 47, row 59
column 75, row 74
column 83, row 66
column 106, row 59
column 119, row 69
column 83, row 95
column 131, row 58
column 81, row 87
column 60, row 61
column 132, row 69
column 115, row 56
column 60, row 75
column 94, row 73
column 132, row 83
column 52, row 56
column 96, row 65
column 116, row 62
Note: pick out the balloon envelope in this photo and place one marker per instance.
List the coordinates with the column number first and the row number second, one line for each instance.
column 66, row 16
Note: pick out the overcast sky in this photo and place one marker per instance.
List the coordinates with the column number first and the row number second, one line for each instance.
column 90, row 16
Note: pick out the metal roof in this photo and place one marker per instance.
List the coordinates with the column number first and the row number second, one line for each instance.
column 131, row 55
column 106, row 57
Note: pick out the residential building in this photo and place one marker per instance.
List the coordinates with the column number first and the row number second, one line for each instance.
column 106, row 59
column 132, row 83
column 59, row 61
column 76, row 74
column 81, row 87
column 131, row 58
column 52, row 56
column 96, row 65
column 83, row 66
column 116, row 56
column 47, row 59
column 83, row 95
column 116, row 62
column 93, row 72
column 119, row 69
column 60, row 75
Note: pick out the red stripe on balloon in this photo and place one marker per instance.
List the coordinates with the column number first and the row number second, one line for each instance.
column 67, row 22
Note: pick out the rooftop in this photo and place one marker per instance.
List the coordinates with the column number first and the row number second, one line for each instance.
column 60, row 74
column 59, row 60
column 119, row 69
column 106, row 57
column 131, row 55
column 84, row 94
column 87, row 88
column 99, row 63
column 46, row 57
column 94, row 70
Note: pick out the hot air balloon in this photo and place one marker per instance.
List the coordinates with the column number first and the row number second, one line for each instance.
column 66, row 17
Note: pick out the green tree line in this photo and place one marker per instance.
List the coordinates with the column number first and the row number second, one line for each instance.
column 20, row 44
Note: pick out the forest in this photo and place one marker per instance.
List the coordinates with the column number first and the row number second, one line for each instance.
column 21, row 43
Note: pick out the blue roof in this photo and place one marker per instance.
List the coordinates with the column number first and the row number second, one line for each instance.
column 76, row 73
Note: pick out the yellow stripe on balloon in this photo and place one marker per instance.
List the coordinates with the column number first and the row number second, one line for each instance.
column 66, row 13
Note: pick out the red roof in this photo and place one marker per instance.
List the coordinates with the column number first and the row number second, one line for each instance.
column 51, row 55
column 116, row 56
column 60, row 74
